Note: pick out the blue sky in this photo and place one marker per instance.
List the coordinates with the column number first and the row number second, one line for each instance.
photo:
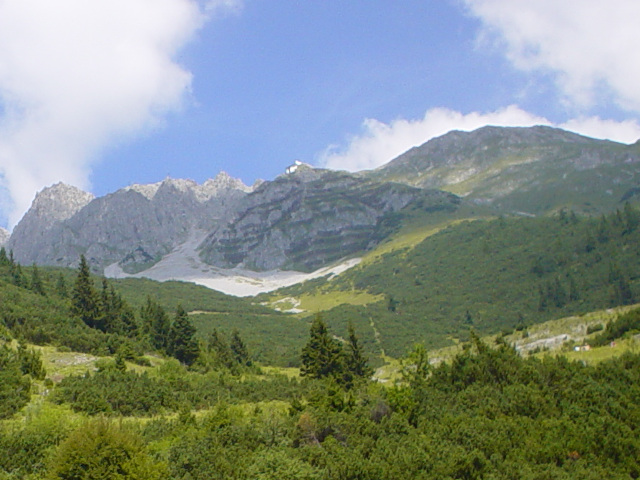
column 132, row 91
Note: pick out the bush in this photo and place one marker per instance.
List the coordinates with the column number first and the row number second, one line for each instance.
column 100, row 450
column 14, row 386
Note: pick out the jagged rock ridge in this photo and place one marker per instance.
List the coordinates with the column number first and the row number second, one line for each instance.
column 136, row 225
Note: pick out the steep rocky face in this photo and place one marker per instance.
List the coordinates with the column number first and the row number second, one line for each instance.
column 52, row 206
column 134, row 226
column 307, row 219
column 534, row 170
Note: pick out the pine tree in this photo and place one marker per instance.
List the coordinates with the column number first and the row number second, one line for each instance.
column 4, row 260
column 356, row 362
column 621, row 293
column 218, row 346
column 322, row 355
column 183, row 344
column 115, row 314
column 61, row 286
column 85, row 301
column 157, row 324
column 239, row 349
column 17, row 277
column 36, row 281
column 631, row 218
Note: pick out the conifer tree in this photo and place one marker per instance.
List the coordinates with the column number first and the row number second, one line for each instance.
column 4, row 260
column 218, row 346
column 322, row 355
column 621, row 293
column 631, row 218
column 356, row 363
column 157, row 324
column 239, row 349
column 61, row 286
column 85, row 301
column 183, row 344
column 17, row 277
column 36, row 281
column 115, row 314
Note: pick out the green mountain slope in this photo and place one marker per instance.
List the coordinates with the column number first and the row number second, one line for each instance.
column 489, row 275
column 532, row 170
column 46, row 317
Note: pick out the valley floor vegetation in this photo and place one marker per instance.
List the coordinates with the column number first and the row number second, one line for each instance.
column 489, row 413
column 154, row 397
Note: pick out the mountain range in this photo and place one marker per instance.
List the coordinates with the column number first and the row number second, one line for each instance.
column 309, row 218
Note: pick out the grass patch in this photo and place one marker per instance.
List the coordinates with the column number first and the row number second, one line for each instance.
column 319, row 301
column 63, row 364
column 599, row 354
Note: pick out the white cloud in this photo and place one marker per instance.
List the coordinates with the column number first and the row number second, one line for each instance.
column 380, row 142
column 589, row 45
column 75, row 75
column 627, row 131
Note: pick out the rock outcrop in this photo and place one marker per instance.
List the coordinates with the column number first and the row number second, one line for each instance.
column 309, row 218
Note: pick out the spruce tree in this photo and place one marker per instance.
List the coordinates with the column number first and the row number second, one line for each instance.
column 61, row 286
column 157, row 324
column 15, row 272
column 218, row 346
column 115, row 314
column 356, row 363
column 322, row 355
column 183, row 344
column 239, row 349
column 85, row 301
column 4, row 259
column 631, row 218
column 36, row 281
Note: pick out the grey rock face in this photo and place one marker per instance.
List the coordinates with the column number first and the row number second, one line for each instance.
column 307, row 219
column 52, row 206
column 135, row 225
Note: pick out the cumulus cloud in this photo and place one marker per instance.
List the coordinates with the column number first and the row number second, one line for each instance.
column 380, row 142
column 588, row 45
column 75, row 75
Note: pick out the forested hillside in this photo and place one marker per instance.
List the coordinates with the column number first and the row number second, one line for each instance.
column 488, row 275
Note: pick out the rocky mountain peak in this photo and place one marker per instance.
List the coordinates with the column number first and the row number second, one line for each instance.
column 148, row 190
column 51, row 206
column 212, row 187
column 181, row 185
column 222, row 183
column 58, row 202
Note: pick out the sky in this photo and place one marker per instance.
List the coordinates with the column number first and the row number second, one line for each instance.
column 108, row 93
